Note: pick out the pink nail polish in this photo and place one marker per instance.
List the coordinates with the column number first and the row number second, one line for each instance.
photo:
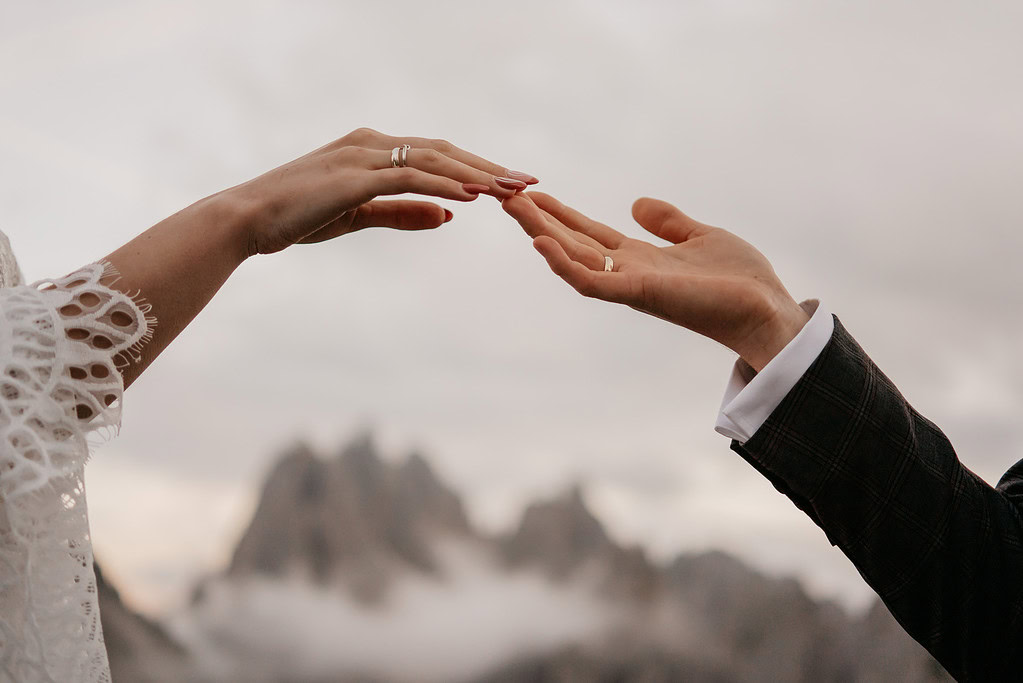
column 448, row 215
column 524, row 177
column 510, row 184
column 475, row 188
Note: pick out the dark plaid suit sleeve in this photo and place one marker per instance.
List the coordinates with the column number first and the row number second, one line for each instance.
column 942, row 548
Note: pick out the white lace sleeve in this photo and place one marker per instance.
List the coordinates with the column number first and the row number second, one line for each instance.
column 61, row 342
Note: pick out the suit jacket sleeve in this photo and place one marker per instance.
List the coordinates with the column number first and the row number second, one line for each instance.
column 942, row 548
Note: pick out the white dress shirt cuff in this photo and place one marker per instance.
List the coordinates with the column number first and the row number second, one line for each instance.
column 751, row 397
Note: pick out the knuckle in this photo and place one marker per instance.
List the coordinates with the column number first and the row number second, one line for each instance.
column 431, row 155
column 404, row 175
column 363, row 133
column 348, row 153
column 442, row 145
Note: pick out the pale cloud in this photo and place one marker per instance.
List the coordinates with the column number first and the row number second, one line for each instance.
column 473, row 619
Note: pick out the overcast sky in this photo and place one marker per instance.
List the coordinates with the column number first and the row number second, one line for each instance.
column 873, row 150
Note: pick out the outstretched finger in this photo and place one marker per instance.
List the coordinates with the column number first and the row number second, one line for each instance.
column 392, row 181
column 400, row 214
column 665, row 220
column 615, row 287
column 432, row 161
column 580, row 237
column 580, row 253
column 367, row 137
column 470, row 159
column 532, row 219
column 537, row 222
column 607, row 236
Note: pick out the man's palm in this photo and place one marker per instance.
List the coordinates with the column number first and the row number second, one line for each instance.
column 707, row 279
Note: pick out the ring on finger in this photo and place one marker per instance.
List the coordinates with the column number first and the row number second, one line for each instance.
column 399, row 156
column 609, row 264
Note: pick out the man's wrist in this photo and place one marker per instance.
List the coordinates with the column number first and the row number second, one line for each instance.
column 751, row 397
column 774, row 334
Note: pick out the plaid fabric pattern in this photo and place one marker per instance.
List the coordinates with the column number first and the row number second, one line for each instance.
column 942, row 548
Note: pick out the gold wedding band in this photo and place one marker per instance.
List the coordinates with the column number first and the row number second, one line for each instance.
column 399, row 156
column 609, row 264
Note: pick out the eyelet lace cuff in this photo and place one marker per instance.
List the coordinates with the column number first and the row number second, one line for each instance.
column 61, row 345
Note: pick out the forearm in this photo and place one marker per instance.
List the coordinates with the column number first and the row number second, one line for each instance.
column 178, row 265
column 941, row 547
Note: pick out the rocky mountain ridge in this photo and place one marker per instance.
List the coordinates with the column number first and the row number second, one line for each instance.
column 352, row 519
column 373, row 538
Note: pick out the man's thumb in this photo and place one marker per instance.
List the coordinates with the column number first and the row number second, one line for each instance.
column 663, row 219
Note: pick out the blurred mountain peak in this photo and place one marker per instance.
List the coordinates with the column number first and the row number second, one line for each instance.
column 358, row 525
column 356, row 521
column 559, row 534
column 360, row 456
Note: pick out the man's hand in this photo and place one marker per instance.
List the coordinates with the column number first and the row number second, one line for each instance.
column 707, row 280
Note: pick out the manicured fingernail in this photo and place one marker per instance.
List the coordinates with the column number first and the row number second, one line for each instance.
column 510, row 183
column 448, row 215
column 475, row 188
column 524, row 177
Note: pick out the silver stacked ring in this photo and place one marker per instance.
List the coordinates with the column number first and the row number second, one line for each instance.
column 399, row 156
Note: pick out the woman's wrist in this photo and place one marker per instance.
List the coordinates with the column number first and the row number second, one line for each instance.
column 230, row 218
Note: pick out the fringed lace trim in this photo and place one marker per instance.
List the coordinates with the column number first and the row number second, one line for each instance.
column 62, row 344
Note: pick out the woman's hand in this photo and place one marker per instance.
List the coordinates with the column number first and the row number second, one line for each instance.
column 181, row 262
column 707, row 279
column 331, row 191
